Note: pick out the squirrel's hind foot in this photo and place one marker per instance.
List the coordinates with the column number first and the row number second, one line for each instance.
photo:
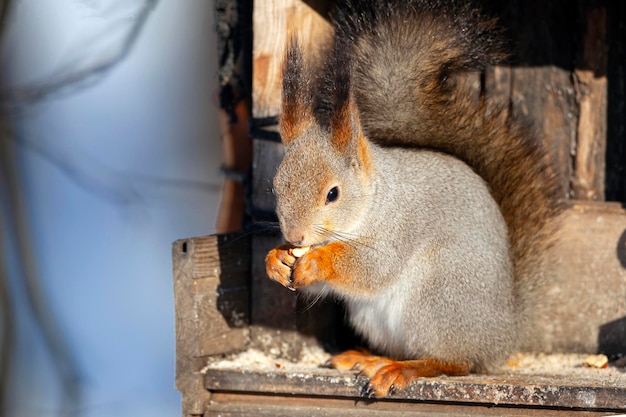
column 388, row 376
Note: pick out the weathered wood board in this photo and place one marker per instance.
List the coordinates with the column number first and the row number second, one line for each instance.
column 250, row 405
column 560, row 77
column 586, row 298
column 211, row 290
column 533, row 392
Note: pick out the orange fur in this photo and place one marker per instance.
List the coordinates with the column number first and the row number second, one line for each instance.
column 278, row 264
column 315, row 266
column 294, row 120
column 364, row 156
column 342, row 129
column 347, row 132
column 388, row 375
column 318, row 265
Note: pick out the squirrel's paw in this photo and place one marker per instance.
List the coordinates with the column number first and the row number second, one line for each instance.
column 298, row 267
column 354, row 359
column 397, row 375
column 278, row 265
column 314, row 266
column 320, row 264
column 388, row 376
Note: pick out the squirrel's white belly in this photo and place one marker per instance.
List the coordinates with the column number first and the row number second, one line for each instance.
column 380, row 320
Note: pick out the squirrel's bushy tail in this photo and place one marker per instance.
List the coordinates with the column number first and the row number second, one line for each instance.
column 406, row 58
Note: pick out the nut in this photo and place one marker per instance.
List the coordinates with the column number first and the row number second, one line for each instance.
column 298, row 252
column 596, row 361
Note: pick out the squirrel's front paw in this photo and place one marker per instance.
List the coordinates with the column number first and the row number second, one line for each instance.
column 298, row 267
column 278, row 265
column 312, row 267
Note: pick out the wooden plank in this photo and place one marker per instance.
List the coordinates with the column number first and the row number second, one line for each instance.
column 208, row 271
column 234, row 42
column 568, row 64
column 545, row 95
column 588, row 182
column 236, row 404
column 584, row 302
column 208, row 322
column 236, row 162
column 511, row 390
column 590, row 83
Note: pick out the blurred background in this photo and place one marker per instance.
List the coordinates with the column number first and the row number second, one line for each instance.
column 109, row 151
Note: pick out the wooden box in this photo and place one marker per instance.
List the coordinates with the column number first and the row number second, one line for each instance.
column 567, row 74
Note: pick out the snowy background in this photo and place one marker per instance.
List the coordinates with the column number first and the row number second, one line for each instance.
column 111, row 172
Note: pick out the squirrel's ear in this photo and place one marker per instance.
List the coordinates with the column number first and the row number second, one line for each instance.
column 296, row 114
column 347, row 136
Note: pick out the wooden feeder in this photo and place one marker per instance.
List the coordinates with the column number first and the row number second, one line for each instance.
column 567, row 74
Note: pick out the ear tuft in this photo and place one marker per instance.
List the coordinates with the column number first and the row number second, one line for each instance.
column 345, row 124
column 296, row 114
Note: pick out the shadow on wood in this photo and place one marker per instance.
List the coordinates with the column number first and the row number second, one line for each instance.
column 621, row 249
column 612, row 337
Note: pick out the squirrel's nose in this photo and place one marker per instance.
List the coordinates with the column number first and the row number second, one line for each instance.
column 297, row 242
column 293, row 232
column 295, row 238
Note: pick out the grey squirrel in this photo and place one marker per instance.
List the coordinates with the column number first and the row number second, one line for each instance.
column 429, row 212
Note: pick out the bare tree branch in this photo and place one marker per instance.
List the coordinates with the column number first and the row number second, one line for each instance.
column 63, row 81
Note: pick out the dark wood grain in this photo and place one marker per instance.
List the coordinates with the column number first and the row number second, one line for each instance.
column 509, row 390
column 251, row 405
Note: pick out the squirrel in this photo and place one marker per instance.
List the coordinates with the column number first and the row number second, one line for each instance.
column 428, row 211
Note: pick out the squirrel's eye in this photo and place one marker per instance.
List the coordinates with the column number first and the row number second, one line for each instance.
column 332, row 195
